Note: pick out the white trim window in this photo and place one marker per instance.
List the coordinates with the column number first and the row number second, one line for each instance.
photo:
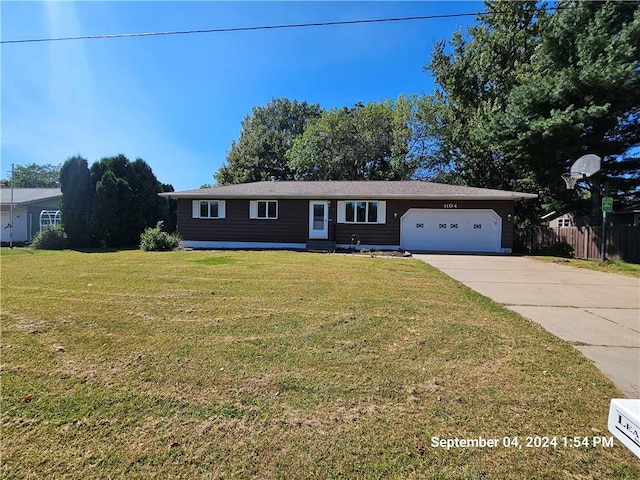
column 263, row 209
column 564, row 222
column 362, row 211
column 211, row 209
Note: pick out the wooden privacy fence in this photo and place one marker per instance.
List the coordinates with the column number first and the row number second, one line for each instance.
column 623, row 241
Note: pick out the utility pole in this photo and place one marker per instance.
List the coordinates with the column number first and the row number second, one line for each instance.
column 603, row 244
column 11, row 211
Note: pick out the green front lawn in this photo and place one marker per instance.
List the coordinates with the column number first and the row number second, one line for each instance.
column 282, row 365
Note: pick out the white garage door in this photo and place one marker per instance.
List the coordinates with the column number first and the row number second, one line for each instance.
column 19, row 225
column 451, row 230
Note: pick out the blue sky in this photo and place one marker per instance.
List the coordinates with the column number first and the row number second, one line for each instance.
column 178, row 101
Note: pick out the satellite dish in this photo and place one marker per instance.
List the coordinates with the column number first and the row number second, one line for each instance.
column 585, row 166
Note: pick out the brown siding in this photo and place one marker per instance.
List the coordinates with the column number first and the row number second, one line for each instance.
column 292, row 225
column 389, row 233
column 370, row 234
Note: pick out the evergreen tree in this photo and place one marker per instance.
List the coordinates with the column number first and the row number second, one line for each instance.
column 127, row 199
column 149, row 207
column 475, row 74
column 78, row 202
column 113, row 218
column 112, row 203
column 581, row 95
column 527, row 92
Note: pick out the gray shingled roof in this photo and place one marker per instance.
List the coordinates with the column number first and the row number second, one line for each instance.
column 350, row 190
column 28, row 195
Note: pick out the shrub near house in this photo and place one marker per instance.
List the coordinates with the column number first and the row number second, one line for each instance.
column 50, row 238
column 154, row 239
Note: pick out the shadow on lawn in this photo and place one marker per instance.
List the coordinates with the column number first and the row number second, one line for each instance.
column 104, row 250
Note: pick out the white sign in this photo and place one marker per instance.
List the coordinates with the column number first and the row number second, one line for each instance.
column 624, row 422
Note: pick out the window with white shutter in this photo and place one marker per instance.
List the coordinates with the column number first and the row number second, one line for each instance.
column 263, row 209
column 208, row 209
column 362, row 211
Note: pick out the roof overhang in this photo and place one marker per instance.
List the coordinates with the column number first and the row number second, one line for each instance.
column 357, row 190
column 346, row 196
column 27, row 196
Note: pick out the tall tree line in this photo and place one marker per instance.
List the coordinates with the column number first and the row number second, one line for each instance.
column 33, row 176
column 527, row 91
column 111, row 203
column 519, row 97
column 292, row 140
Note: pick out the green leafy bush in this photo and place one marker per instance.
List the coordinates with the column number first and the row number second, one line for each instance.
column 553, row 249
column 155, row 240
column 50, row 238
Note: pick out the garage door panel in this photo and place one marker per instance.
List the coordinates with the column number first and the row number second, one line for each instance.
column 459, row 230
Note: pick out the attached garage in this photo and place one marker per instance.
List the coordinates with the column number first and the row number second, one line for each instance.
column 464, row 230
column 326, row 215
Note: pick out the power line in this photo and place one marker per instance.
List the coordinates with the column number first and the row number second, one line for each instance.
column 264, row 27
column 240, row 29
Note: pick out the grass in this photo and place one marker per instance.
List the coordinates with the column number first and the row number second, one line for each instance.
column 281, row 365
column 609, row 266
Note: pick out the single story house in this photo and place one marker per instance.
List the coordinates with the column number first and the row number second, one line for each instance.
column 28, row 204
column 324, row 215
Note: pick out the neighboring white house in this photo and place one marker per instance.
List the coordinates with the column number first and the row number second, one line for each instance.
column 561, row 220
column 28, row 203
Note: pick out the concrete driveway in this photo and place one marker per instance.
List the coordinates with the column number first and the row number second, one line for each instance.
column 598, row 312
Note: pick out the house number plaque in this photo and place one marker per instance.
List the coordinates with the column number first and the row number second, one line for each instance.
column 450, row 205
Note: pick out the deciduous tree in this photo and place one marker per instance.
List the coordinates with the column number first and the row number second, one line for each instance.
column 474, row 74
column 266, row 136
column 35, row 176
column 365, row 142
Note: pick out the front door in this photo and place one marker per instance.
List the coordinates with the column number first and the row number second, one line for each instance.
column 319, row 219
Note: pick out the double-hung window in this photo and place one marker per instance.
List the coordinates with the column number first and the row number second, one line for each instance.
column 208, row 209
column 263, row 209
column 361, row 211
